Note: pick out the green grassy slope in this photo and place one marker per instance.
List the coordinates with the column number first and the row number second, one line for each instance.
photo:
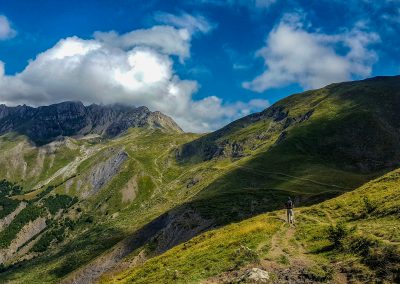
column 368, row 249
column 96, row 223
column 350, row 137
column 312, row 146
column 354, row 124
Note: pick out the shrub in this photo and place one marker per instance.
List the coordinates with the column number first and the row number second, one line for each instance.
column 29, row 213
column 362, row 245
column 55, row 234
column 338, row 233
column 8, row 188
column 57, row 202
column 318, row 273
column 385, row 259
column 369, row 206
column 7, row 206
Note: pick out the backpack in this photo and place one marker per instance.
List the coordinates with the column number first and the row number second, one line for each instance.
column 289, row 204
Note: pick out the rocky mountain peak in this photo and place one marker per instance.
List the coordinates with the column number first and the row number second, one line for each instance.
column 72, row 118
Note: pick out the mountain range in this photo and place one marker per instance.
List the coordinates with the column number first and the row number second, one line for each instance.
column 117, row 194
column 47, row 123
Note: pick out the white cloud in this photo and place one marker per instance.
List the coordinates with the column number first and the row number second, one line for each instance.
column 212, row 112
column 294, row 55
column 164, row 39
column 135, row 68
column 6, row 31
column 193, row 24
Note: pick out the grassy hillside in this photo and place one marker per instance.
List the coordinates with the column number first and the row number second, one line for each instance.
column 352, row 237
column 90, row 224
column 353, row 124
column 110, row 205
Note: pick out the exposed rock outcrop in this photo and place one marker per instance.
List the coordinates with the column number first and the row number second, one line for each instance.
column 47, row 123
column 130, row 190
column 255, row 275
column 180, row 228
column 104, row 171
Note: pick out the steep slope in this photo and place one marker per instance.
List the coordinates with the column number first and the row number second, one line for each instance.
column 311, row 154
column 44, row 124
column 349, row 238
column 142, row 193
column 355, row 124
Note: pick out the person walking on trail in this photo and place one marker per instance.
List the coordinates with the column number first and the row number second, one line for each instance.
column 289, row 211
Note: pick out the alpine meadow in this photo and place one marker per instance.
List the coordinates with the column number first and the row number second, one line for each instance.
column 199, row 142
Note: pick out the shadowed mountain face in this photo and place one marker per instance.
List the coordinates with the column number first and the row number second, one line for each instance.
column 46, row 123
column 354, row 124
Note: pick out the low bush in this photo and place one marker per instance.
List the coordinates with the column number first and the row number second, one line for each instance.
column 7, row 206
column 29, row 213
column 9, row 189
column 57, row 202
column 338, row 233
column 55, row 234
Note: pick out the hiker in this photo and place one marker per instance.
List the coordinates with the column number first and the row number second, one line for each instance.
column 289, row 209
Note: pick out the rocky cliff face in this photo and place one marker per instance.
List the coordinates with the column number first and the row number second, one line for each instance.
column 46, row 123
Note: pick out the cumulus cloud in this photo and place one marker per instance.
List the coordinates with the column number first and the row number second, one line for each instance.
column 294, row 55
column 136, row 68
column 212, row 113
column 6, row 31
column 164, row 39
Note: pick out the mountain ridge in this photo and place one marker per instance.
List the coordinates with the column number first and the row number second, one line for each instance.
column 372, row 104
column 72, row 118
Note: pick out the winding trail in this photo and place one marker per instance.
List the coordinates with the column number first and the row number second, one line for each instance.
column 256, row 171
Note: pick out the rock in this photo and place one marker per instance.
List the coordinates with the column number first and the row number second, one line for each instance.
column 48, row 123
column 306, row 116
column 180, row 227
column 281, row 137
column 105, row 171
column 255, row 275
column 192, row 182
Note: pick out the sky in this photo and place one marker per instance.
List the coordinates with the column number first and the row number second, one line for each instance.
column 205, row 63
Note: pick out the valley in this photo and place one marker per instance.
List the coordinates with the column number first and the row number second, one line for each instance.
column 152, row 202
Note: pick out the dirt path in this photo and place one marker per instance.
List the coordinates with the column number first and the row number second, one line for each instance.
column 287, row 259
column 286, row 249
column 159, row 169
column 256, row 171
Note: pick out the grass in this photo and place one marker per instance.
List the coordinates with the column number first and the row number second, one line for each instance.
column 328, row 231
column 358, row 230
column 206, row 255
column 336, row 150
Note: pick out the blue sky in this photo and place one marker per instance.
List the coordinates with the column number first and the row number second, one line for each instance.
column 205, row 62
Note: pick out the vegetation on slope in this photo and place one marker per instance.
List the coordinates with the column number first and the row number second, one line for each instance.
column 352, row 236
column 312, row 146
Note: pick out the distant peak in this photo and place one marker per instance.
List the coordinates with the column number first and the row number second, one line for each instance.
column 71, row 118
